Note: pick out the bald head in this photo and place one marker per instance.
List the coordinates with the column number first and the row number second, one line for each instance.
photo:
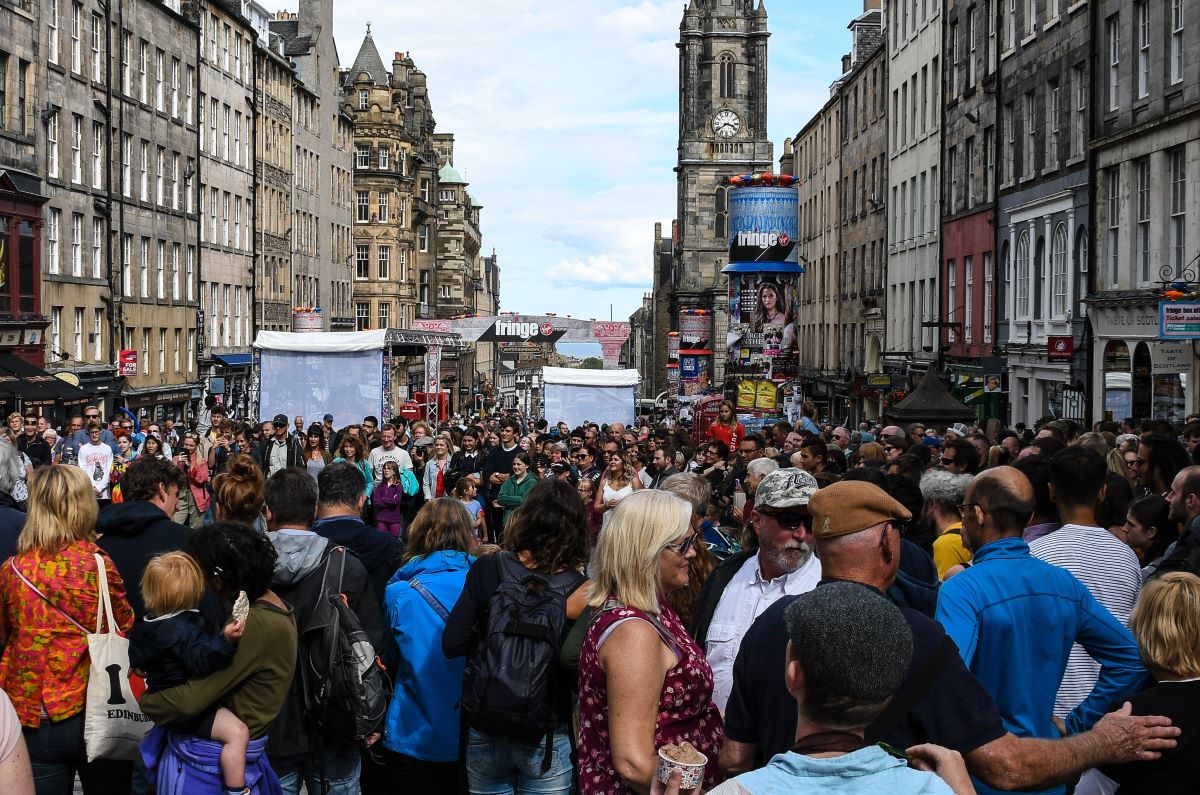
column 1005, row 496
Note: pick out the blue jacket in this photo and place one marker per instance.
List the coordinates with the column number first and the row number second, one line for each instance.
column 423, row 716
column 1014, row 619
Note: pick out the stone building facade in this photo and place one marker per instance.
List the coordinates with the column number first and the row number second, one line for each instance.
column 1042, row 206
column 722, row 67
column 1145, row 146
column 969, row 298
column 914, row 35
column 121, row 260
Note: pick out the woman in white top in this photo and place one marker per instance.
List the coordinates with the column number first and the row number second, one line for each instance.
column 618, row 482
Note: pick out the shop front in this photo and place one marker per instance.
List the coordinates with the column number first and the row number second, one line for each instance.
column 159, row 403
column 1136, row 372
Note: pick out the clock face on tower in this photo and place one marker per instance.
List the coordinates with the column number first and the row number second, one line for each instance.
column 726, row 123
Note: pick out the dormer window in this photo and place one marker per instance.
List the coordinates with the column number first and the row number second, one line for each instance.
column 364, row 99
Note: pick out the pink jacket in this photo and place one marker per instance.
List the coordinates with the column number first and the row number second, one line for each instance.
column 198, row 481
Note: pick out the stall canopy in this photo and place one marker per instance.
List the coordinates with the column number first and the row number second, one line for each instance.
column 34, row 386
column 931, row 404
column 575, row 396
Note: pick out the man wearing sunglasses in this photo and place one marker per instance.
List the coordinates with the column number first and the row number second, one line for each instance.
column 745, row 585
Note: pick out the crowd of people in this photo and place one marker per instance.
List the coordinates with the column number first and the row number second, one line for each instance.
column 501, row 605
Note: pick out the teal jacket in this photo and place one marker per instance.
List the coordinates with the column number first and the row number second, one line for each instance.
column 867, row 771
column 513, row 493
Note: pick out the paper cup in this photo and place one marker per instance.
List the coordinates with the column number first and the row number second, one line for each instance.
column 693, row 775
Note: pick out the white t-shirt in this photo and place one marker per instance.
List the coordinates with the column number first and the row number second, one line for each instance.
column 96, row 462
column 10, row 727
column 379, row 455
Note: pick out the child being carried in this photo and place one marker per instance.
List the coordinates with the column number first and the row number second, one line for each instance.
column 174, row 643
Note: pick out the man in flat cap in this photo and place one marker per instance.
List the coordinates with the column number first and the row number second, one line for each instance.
column 847, row 651
column 745, row 585
column 940, row 701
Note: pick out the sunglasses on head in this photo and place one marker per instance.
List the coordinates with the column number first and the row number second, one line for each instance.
column 789, row 519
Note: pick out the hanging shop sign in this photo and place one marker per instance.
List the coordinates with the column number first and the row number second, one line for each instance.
column 1060, row 349
column 1179, row 320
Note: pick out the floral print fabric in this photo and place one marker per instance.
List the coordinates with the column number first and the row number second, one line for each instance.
column 45, row 661
column 685, row 707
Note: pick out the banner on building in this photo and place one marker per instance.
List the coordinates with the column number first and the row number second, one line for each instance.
column 127, row 363
column 695, row 330
column 763, row 225
column 611, row 335
column 695, row 374
column 762, row 329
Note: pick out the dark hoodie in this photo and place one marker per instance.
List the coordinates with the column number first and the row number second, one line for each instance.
column 132, row 533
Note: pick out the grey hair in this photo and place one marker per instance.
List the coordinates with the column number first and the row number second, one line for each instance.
column 10, row 465
column 1094, row 442
column 762, row 466
column 691, row 488
column 944, row 487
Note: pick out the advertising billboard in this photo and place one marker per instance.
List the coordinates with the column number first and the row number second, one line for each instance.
column 763, row 225
column 695, row 331
column 762, row 326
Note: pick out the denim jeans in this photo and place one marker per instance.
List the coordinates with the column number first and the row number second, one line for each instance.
column 341, row 770
column 56, row 754
column 502, row 766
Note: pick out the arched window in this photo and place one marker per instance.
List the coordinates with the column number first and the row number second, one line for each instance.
column 1022, row 275
column 1040, row 283
column 1058, row 272
column 727, row 75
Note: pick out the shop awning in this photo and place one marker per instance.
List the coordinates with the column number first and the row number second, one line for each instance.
column 235, row 359
column 34, row 385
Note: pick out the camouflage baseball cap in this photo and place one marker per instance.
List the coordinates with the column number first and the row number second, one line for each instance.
column 785, row 488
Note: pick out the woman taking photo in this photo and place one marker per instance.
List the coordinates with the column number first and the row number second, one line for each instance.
column 121, row 461
column 49, row 596
column 514, row 490
column 354, row 452
column 726, row 428
column 389, row 501
column 422, row 726
column 193, row 501
column 433, row 479
column 546, row 536
column 643, row 681
column 618, row 482
column 315, row 456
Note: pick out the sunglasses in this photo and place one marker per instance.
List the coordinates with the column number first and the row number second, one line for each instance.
column 945, row 462
column 31, row 422
column 789, row 520
column 683, row 547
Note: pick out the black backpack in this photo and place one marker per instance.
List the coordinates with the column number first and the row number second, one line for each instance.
column 509, row 689
column 344, row 685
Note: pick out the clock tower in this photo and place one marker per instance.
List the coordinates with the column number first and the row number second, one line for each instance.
column 722, row 133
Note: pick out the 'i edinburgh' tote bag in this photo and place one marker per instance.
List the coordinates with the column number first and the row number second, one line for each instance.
column 113, row 724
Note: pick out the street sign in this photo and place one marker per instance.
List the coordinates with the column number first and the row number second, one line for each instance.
column 1179, row 320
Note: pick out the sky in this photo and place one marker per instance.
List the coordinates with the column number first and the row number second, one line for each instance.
column 564, row 114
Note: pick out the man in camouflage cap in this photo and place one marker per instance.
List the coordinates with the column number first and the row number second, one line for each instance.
column 745, row 585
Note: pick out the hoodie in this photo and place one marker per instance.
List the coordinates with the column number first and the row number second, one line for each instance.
column 134, row 532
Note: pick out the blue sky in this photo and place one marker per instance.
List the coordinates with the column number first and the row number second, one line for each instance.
column 564, row 116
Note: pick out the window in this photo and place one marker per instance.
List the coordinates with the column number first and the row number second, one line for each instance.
column 951, row 295
column 77, row 348
column 1114, row 225
column 425, row 189
column 174, row 88
column 52, row 21
column 162, row 350
column 76, row 148
column 98, row 243
column 956, row 55
column 1143, row 57
column 362, row 263
column 970, row 170
column 175, row 250
column 225, row 132
column 97, row 335
column 364, row 206
column 76, row 36
column 178, row 334
column 1058, row 272
column 1022, row 275
column 97, row 62
column 127, row 265
column 189, row 272
column 383, row 158
column 362, row 316
column 144, row 268
column 77, row 244
column 160, row 270
column 126, row 71
column 1177, row 204
column 160, row 173
column 1176, row 41
column 160, row 80
column 225, row 218
column 191, row 349
column 52, row 145
column 728, row 76
column 987, row 297
column 1114, row 62
column 989, row 162
column 53, row 238
column 385, row 263
column 990, row 65
column 1079, row 112
column 189, row 103
column 237, row 137
column 1010, row 148
column 952, row 165
column 143, row 68
column 1031, row 13
column 174, row 180
column 126, row 164
column 144, row 171
column 970, row 47
column 382, row 200
column 1012, row 24
column 97, row 155
column 362, row 157
column 1030, row 136
column 1141, row 171
column 968, row 300
column 444, row 291
column 364, row 99
column 385, row 310
column 56, row 328
column 1052, row 125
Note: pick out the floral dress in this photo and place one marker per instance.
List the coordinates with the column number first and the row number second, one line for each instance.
column 685, row 707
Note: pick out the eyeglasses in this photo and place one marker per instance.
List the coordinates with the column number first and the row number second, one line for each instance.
column 91, row 416
column 31, row 422
column 790, row 520
column 945, row 462
column 681, row 548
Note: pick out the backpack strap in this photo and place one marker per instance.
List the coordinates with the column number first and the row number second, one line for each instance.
column 429, row 598
column 913, row 691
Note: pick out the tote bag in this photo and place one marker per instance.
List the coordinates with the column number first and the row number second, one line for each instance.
column 113, row 723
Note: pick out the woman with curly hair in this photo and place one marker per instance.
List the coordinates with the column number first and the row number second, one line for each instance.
column 545, row 538
column 353, row 451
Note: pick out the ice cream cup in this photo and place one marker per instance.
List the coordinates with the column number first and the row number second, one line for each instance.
column 693, row 774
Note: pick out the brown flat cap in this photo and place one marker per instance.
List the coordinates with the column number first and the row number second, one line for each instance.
column 852, row 506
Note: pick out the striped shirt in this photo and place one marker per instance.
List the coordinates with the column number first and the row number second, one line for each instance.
column 1110, row 570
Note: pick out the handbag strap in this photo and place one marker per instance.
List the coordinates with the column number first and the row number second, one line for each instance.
column 430, row 599
column 12, row 564
column 104, row 610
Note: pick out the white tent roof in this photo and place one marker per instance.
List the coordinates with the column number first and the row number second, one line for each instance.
column 321, row 341
column 571, row 376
